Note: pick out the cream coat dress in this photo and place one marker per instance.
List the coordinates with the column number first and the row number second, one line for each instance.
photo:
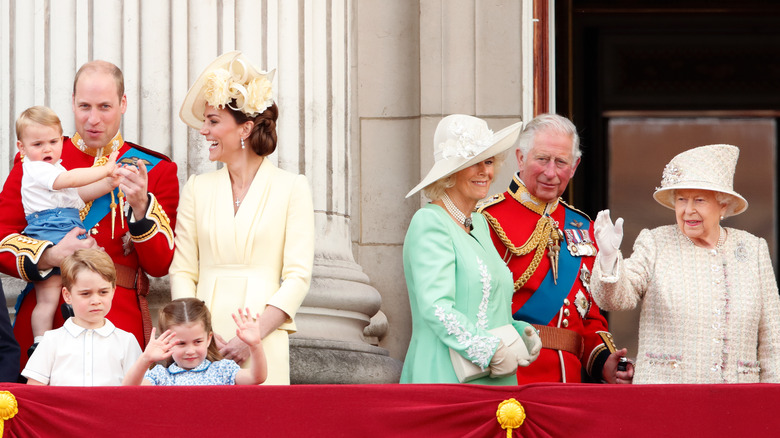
column 708, row 316
column 261, row 256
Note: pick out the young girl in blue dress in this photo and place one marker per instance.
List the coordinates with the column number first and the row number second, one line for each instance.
column 190, row 354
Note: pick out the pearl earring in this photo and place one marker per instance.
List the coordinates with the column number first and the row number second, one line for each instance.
column 242, row 144
column 721, row 218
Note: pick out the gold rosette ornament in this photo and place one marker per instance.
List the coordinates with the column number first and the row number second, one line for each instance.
column 510, row 415
column 8, row 408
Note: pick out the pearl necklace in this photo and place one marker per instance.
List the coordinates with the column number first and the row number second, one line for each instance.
column 719, row 245
column 721, row 240
column 455, row 212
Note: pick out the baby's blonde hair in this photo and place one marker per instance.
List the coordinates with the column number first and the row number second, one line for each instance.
column 37, row 115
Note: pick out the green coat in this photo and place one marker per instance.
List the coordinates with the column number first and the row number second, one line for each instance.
column 459, row 288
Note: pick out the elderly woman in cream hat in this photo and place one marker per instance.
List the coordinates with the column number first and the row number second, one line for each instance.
column 710, row 297
column 459, row 288
column 247, row 225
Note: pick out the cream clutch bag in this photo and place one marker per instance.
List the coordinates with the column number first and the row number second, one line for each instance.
column 466, row 370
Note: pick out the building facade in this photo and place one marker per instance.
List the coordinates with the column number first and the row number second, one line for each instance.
column 361, row 85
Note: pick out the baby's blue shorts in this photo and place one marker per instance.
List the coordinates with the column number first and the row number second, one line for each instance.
column 53, row 224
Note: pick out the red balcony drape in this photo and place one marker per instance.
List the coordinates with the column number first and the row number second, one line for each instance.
column 552, row 410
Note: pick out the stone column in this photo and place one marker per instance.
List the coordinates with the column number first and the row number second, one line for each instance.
column 418, row 61
column 335, row 342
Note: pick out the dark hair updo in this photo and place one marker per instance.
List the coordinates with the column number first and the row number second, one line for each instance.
column 262, row 139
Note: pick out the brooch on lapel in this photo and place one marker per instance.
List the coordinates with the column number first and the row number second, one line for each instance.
column 741, row 252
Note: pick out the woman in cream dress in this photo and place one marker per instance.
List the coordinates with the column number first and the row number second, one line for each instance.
column 245, row 233
column 710, row 302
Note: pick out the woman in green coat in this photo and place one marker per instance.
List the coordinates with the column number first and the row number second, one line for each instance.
column 459, row 288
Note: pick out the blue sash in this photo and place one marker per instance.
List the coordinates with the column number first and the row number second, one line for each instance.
column 102, row 205
column 548, row 298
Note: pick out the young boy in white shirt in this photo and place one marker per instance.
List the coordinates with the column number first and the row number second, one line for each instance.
column 88, row 350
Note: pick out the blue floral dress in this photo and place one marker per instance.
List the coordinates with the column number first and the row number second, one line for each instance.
column 222, row 372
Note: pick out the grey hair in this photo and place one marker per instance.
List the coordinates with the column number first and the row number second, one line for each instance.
column 728, row 201
column 553, row 123
column 435, row 190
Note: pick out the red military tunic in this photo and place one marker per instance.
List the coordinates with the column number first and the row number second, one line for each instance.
column 521, row 236
column 146, row 244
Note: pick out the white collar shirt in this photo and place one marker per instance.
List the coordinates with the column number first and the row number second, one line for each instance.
column 75, row 356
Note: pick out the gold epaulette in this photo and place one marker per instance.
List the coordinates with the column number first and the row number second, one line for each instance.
column 575, row 209
column 161, row 223
column 20, row 245
column 606, row 337
column 495, row 199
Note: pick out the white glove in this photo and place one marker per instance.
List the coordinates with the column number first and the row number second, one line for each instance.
column 504, row 362
column 608, row 238
column 519, row 348
column 533, row 344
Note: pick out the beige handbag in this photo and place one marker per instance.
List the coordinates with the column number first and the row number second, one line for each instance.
column 467, row 371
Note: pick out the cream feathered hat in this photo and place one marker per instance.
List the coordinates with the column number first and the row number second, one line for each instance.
column 461, row 141
column 708, row 167
column 230, row 76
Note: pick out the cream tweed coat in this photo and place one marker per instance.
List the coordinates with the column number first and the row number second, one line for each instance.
column 708, row 316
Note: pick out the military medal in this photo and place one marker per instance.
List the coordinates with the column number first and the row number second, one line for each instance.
column 585, row 277
column 582, row 303
column 579, row 243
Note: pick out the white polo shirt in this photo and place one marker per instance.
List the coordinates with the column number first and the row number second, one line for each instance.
column 74, row 356
column 37, row 192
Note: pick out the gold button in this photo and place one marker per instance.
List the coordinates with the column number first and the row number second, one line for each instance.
column 566, row 312
column 566, row 302
column 565, row 322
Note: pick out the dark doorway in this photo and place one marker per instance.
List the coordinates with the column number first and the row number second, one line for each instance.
column 645, row 80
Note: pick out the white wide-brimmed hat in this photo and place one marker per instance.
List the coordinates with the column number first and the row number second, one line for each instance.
column 230, row 76
column 708, row 167
column 461, row 141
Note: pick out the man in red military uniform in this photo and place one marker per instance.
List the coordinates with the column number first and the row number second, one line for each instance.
column 134, row 223
column 550, row 250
